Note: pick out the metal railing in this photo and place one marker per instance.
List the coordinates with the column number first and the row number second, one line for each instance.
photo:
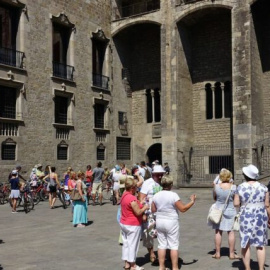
column 203, row 163
column 101, row 81
column 63, row 71
column 11, row 57
column 139, row 8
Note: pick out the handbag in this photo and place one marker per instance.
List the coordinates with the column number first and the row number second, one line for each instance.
column 215, row 214
column 75, row 195
column 236, row 222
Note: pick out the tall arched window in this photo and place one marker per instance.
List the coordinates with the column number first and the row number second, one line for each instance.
column 218, row 100
column 209, row 101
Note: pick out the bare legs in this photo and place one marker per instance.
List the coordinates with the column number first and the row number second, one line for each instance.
column 231, row 241
column 174, row 259
column 261, row 257
column 218, row 238
column 52, row 199
column 14, row 204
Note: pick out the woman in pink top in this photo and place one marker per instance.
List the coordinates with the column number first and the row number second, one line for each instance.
column 130, row 223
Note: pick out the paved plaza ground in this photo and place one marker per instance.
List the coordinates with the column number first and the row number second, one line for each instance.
column 46, row 239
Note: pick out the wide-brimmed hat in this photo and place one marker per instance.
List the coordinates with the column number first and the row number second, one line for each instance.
column 38, row 165
column 158, row 169
column 251, row 171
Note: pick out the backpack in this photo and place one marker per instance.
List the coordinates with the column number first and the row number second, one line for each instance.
column 147, row 174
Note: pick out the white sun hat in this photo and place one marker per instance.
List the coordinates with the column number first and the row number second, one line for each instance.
column 158, row 169
column 251, row 171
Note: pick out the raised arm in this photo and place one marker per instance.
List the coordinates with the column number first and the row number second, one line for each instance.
column 184, row 207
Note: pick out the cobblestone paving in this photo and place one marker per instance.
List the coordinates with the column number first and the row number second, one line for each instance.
column 46, row 239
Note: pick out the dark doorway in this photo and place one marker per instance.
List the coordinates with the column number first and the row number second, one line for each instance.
column 154, row 152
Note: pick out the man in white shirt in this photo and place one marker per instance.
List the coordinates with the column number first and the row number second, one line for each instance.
column 148, row 190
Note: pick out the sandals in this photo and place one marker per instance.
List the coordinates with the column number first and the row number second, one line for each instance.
column 153, row 259
column 137, row 268
column 216, row 257
column 236, row 257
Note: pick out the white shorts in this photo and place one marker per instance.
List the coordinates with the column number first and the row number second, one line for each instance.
column 167, row 233
column 116, row 186
column 15, row 194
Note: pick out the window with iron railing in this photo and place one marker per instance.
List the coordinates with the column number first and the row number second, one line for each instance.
column 123, row 148
column 8, row 152
column 100, row 154
column 99, row 46
column 61, row 40
column 62, row 152
column 101, row 81
column 216, row 163
column 61, row 109
column 8, row 98
column 99, row 115
column 9, row 24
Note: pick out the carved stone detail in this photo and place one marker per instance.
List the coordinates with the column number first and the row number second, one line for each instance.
column 100, row 35
column 62, row 18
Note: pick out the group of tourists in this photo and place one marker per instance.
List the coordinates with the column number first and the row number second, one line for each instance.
column 148, row 208
column 253, row 199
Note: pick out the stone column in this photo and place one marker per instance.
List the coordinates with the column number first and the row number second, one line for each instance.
column 241, row 62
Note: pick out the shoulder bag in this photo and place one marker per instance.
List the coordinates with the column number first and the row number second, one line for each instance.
column 75, row 195
column 215, row 214
column 236, row 223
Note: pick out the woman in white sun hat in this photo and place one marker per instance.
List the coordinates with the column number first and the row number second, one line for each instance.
column 254, row 200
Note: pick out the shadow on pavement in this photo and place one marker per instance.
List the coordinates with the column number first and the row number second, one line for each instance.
column 90, row 222
column 1, row 268
column 240, row 266
column 2, row 241
column 224, row 251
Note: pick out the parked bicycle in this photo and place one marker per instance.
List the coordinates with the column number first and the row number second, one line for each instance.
column 4, row 193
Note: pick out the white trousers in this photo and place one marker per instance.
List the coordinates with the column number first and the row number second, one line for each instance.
column 131, row 240
column 167, row 233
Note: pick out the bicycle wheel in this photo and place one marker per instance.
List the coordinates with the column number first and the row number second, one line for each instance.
column 44, row 195
column 26, row 204
column 62, row 199
column 36, row 198
column 31, row 201
column 106, row 193
column 67, row 199
column 114, row 200
column 2, row 198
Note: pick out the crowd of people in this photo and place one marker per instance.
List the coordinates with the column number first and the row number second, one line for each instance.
column 148, row 208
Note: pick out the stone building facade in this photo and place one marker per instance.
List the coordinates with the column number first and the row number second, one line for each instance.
column 182, row 81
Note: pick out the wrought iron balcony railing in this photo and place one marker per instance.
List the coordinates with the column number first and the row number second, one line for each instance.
column 101, row 81
column 11, row 57
column 63, row 71
column 139, row 8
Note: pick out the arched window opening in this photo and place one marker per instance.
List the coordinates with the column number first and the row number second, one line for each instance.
column 218, row 100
